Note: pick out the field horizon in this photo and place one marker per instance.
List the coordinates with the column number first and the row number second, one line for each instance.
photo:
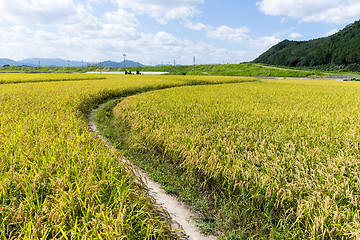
column 257, row 157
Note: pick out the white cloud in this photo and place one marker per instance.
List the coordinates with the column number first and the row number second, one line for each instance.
column 166, row 47
column 341, row 14
column 331, row 32
column 78, row 29
column 162, row 10
column 329, row 11
column 263, row 43
column 295, row 35
column 103, row 40
column 197, row 26
column 229, row 34
column 122, row 17
column 36, row 11
column 238, row 35
column 40, row 34
column 44, row 28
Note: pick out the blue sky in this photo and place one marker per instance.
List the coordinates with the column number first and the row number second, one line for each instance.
column 161, row 31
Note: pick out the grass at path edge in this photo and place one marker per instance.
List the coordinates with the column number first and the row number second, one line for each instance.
column 220, row 210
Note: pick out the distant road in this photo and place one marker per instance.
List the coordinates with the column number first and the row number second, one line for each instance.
column 284, row 69
column 332, row 77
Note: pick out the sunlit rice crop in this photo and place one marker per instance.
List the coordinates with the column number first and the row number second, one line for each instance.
column 45, row 77
column 57, row 179
column 290, row 146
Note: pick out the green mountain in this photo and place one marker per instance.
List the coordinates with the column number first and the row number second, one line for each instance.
column 340, row 49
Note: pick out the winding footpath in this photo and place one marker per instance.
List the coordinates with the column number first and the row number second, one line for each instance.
column 182, row 217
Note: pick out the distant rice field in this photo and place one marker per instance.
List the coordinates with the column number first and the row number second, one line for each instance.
column 44, row 77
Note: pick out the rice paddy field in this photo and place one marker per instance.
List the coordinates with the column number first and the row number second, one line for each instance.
column 276, row 159
column 57, row 179
column 7, row 78
column 269, row 159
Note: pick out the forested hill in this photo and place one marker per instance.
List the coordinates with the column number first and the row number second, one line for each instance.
column 342, row 48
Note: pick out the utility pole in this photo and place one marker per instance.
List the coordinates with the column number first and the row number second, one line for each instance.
column 124, row 63
column 174, row 67
column 100, row 67
column 194, row 64
column 39, row 67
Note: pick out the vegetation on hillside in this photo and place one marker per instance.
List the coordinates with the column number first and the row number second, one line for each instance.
column 339, row 51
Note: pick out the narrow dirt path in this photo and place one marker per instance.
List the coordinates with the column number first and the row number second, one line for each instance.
column 180, row 213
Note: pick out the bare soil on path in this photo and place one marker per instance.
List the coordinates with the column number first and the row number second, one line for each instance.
column 182, row 216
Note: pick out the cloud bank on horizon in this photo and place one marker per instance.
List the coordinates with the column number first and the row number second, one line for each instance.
column 158, row 31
